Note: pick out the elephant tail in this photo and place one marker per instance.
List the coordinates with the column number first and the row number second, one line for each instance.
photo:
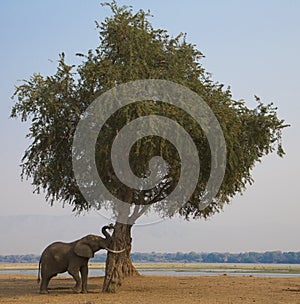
column 39, row 278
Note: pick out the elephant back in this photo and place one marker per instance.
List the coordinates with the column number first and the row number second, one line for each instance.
column 57, row 249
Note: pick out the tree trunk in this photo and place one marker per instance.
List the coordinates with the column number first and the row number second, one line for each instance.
column 118, row 266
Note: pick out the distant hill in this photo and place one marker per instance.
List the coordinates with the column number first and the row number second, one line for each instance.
column 275, row 257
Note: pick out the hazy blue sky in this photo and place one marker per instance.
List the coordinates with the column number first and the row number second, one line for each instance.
column 253, row 46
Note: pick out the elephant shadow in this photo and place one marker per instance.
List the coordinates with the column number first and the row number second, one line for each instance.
column 63, row 285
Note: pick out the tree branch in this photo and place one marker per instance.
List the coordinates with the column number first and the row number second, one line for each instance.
column 139, row 211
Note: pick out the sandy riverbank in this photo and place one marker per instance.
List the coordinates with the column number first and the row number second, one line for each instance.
column 153, row 290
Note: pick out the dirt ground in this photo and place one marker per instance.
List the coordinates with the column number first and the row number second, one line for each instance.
column 156, row 289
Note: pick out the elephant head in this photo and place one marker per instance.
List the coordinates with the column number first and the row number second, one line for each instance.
column 88, row 245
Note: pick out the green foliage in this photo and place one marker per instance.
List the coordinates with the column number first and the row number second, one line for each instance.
column 131, row 49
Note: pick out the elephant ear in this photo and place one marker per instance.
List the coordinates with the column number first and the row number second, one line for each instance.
column 83, row 250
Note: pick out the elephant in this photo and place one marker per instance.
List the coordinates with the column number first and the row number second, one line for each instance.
column 73, row 257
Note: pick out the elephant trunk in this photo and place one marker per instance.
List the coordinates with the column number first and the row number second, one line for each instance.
column 105, row 233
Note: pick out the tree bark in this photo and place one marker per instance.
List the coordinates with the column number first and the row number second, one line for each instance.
column 119, row 266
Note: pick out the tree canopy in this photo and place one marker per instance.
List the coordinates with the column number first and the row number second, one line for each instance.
column 131, row 49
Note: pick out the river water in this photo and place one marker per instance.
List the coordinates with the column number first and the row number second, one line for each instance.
column 281, row 271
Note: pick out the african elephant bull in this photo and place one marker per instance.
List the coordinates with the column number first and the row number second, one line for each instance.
column 73, row 257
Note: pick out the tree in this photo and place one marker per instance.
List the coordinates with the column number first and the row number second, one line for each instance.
column 131, row 49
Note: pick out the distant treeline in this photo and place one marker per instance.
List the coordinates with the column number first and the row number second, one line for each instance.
column 276, row 257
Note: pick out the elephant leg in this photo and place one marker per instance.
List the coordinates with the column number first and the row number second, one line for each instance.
column 44, row 283
column 74, row 272
column 84, row 275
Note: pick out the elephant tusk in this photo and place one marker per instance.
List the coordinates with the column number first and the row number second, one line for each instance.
column 114, row 251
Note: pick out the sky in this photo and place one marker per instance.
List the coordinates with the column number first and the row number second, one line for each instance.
column 251, row 46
